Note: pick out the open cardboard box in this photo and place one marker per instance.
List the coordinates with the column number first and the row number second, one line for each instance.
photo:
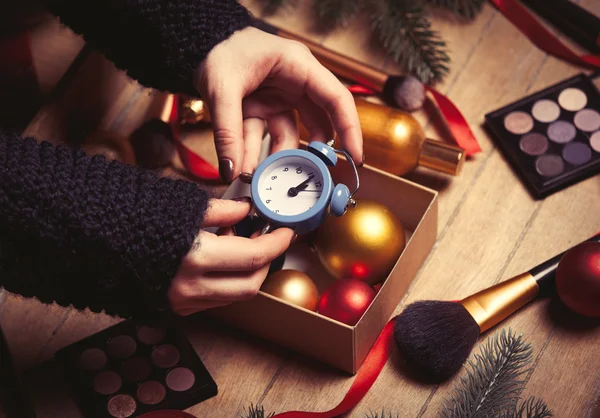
column 337, row 344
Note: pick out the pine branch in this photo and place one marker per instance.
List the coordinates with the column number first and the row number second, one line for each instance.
column 271, row 7
column 464, row 8
column 335, row 13
column 382, row 415
column 492, row 383
column 406, row 35
column 531, row 408
column 255, row 412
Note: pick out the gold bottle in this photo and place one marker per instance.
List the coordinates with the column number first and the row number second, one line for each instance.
column 393, row 140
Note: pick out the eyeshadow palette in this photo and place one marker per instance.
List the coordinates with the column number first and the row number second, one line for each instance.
column 133, row 368
column 552, row 137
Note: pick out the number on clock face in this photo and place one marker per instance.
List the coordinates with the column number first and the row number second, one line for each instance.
column 300, row 175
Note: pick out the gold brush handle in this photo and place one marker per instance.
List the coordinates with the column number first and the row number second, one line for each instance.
column 494, row 304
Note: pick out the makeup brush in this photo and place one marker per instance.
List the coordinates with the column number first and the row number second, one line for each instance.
column 404, row 91
column 438, row 336
column 153, row 141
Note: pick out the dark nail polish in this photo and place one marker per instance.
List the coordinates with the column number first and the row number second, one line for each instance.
column 363, row 161
column 246, row 178
column 294, row 238
column 244, row 199
column 226, row 170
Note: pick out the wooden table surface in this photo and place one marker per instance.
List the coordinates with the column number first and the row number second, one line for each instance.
column 489, row 230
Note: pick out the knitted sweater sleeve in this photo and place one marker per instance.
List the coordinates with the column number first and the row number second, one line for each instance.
column 158, row 42
column 88, row 232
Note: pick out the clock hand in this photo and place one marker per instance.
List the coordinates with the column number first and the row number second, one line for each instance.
column 293, row 191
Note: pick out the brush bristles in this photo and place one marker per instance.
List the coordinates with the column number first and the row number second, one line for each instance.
column 436, row 337
column 405, row 92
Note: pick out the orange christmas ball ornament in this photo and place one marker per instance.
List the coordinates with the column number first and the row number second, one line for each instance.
column 346, row 300
column 294, row 287
column 578, row 279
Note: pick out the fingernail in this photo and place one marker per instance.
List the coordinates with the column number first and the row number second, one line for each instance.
column 246, row 178
column 363, row 161
column 294, row 238
column 226, row 170
column 244, row 199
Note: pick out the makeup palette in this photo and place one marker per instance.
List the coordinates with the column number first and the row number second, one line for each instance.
column 133, row 368
column 552, row 137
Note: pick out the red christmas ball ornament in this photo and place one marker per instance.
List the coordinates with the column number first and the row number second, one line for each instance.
column 578, row 279
column 346, row 300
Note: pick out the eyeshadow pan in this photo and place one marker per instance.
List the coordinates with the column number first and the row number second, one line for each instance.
column 151, row 335
column 545, row 111
column 121, row 346
column 561, row 132
column 107, row 382
column 534, row 144
column 121, row 406
column 518, row 123
column 151, row 392
column 549, row 165
column 180, row 379
column 595, row 141
column 577, row 153
column 136, row 369
column 587, row 120
column 165, row 356
column 133, row 368
column 92, row 359
column 572, row 99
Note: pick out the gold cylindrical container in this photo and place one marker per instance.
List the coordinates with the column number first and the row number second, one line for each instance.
column 394, row 141
column 491, row 306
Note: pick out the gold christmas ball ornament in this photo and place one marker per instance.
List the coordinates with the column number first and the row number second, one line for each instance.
column 363, row 244
column 294, row 287
column 194, row 111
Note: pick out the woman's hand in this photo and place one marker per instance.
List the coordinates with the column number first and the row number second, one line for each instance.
column 220, row 269
column 255, row 77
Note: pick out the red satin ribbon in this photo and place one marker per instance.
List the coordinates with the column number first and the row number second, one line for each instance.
column 456, row 122
column 540, row 36
column 193, row 163
column 363, row 381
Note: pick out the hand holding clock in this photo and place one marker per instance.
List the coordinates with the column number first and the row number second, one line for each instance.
column 223, row 268
column 255, row 78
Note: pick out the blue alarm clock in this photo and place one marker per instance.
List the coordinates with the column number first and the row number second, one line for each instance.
column 293, row 188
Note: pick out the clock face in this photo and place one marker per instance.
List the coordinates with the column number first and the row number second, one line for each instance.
column 291, row 185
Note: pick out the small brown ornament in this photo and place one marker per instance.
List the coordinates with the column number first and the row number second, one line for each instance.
column 194, row 111
column 363, row 244
column 294, row 287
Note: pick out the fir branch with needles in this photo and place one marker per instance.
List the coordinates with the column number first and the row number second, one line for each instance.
column 406, row 35
column 381, row 415
column 255, row 412
column 531, row 408
column 493, row 381
column 331, row 14
column 465, row 8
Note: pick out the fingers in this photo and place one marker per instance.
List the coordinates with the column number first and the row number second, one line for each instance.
column 283, row 128
column 315, row 120
column 227, row 117
column 254, row 129
column 231, row 253
column 223, row 212
column 327, row 91
column 215, row 289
